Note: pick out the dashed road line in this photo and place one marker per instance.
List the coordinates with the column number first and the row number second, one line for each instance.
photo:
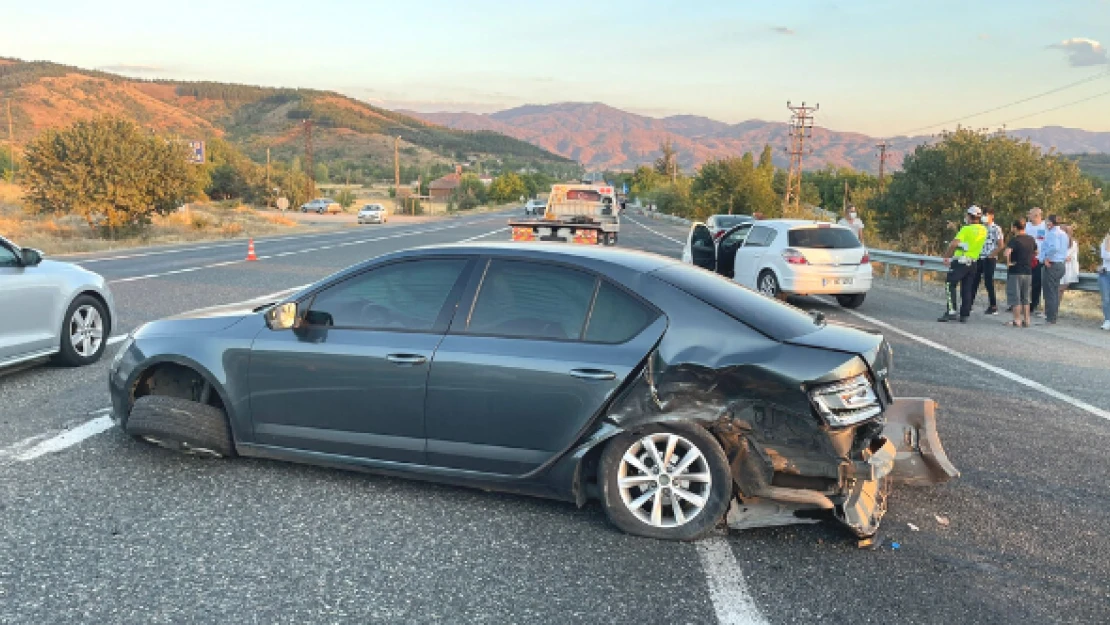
column 36, row 447
column 728, row 591
column 227, row 263
column 655, row 232
column 1009, row 375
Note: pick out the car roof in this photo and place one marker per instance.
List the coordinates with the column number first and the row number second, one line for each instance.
column 591, row 256
column 789, row 224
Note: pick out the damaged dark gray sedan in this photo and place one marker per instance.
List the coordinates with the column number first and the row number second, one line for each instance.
column 672, row 395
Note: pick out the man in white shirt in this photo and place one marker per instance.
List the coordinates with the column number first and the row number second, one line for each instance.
column 852, row 221
column 1038, row 229
column 1055, row 253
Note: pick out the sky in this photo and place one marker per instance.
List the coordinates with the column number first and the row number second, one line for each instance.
column 881, row 68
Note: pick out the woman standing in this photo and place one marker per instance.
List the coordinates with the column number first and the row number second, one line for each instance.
column 1104, row 281
column 1071, row 265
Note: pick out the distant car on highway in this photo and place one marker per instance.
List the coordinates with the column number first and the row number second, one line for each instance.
column 719, row 224
column 563, row 371
column 50, row 308
column 373, row 214
column 781, row 257
column 535, row 207
column 321, row 206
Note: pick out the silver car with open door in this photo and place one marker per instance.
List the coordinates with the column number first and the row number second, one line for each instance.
column 50, row 308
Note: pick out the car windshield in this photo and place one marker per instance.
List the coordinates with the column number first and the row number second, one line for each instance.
column 727, row 221
column 777, row 320
column 823, row 238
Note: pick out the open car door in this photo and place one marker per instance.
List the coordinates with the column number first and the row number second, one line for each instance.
column 701, row 249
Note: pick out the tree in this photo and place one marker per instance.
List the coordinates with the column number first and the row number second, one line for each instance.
column 507, row 188
column 321, row 174
column 733, row 185
column 644, row 181
column 939, row 181
column 345, row 198
column 109, row 171
column 667, row 163
column 470, row 193
column 536, row 183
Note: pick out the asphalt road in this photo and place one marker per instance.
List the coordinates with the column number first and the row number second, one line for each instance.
column 109, row 530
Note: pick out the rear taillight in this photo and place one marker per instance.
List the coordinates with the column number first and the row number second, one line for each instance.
column 866, row 260
column 794, row 257
column 718, row 234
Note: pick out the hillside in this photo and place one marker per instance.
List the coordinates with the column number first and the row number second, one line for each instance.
column 603, row 137
column 48, row 95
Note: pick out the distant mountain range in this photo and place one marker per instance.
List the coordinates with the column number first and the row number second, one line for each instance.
column 603, row 137
column 48, row 95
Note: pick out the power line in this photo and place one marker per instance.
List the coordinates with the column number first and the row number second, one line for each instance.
column 1014, row 103
column 1056, row 108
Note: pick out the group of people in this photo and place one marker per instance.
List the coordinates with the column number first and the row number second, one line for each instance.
column 1041, row 257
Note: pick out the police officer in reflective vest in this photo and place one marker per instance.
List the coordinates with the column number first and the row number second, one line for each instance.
column 963, row 252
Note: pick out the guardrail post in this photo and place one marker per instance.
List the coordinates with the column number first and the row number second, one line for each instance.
column 921, row 275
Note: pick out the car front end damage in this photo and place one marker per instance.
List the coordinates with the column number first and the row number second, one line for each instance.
column 835, row 450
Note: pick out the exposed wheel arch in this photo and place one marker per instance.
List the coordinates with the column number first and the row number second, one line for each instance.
column 171, row 378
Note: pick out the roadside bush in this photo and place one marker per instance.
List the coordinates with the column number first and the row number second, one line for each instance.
column 345, row 198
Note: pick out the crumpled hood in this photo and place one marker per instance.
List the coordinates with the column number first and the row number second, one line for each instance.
column 843, row 338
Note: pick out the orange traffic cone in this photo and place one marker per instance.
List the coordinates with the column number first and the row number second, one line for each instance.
column 250, row 250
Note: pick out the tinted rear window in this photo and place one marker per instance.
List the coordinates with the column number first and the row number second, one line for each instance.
column 728, row 221
column 777, row 320
column 824, row 238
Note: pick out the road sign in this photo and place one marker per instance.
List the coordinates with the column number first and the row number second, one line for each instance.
column 196, row 152
column 282, row 203
column 624, row 188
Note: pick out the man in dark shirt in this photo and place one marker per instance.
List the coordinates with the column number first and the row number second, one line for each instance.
column 1020, row 252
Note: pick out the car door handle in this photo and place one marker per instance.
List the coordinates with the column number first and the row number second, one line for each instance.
column 593, row 374
column 406, row 359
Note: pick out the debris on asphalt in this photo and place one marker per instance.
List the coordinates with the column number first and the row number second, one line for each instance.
column 895, row 546
column 943, row 520
column 913, row 528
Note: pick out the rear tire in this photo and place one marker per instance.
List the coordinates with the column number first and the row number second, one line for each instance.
column 84, row 332
column 769, row 285
column 181, row 425
column 639, row 521
column 851, row 301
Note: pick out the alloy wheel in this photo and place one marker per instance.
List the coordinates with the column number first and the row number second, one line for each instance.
column 86, row 331
column 768, row 285
column 664, row 480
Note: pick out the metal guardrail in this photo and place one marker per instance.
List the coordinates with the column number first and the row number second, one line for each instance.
column 1087, row 281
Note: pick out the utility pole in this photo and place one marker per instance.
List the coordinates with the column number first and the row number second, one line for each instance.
column 269, row 189
column 844, row 203
column 309, row 170
column 882, row 165
column 11, row 141
column 801, row 128
column 397, row 168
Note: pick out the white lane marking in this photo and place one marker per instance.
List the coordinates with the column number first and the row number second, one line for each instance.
column 1009, row 375
column 64, row 440
column 237, row 243
column 727, row 589
column 290, row 253
column 655, row 232
column 482, row 236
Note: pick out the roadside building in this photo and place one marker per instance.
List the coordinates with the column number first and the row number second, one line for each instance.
column 441, row 189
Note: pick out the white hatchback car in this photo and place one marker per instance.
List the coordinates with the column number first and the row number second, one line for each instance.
column 373, row 214
column 780, row 257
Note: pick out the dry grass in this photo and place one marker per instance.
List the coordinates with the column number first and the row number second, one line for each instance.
column 70, row 234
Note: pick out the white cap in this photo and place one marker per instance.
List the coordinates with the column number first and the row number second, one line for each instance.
column 974, row 210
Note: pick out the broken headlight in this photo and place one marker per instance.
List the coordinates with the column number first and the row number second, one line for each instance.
column 846, row 402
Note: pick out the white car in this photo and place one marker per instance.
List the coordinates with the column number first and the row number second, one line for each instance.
column 782, row 257
column 535, row 207
column 321, row 205
column 373, row 214
column 50, row 308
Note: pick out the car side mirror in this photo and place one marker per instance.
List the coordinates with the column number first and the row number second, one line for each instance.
column 30, row 257
column 282, row 316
